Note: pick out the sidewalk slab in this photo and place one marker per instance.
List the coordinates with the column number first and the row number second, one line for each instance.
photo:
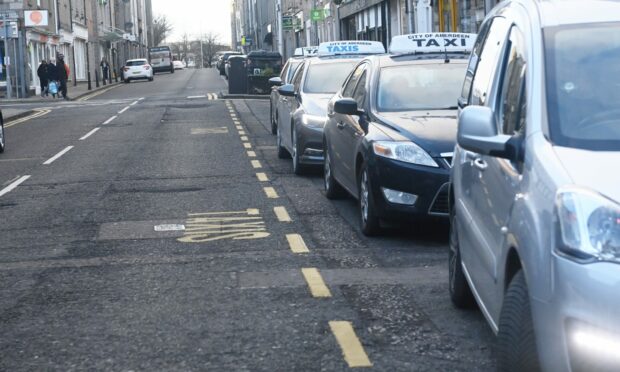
column 74, row 92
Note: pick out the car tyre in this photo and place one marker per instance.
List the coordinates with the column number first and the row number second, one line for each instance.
column 127, row 81
column 298, row 168
column 370, row 224
column 151, row 78
column 333, row 190
column 516, row 341
column 274, row 124
column 282, row 153
column 460, row 293
column 2, row 137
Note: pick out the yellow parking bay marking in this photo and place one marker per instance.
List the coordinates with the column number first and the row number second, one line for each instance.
column 241, row 133
column 37, row 114
column 315, row 282
column 236, row 225
column 244, row 138
column 247, row 145
column 351, row 347
column 271, row 193
column 297, row 244
column 282, row 214
column 251, row 154
column 239, row 127
column 256, row 164
column 262, row 177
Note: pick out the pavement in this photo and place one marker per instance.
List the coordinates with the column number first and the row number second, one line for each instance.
column 153, row 228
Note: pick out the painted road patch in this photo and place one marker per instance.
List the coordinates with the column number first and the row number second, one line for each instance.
column 212, row 226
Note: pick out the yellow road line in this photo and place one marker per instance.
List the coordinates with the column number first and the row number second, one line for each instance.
column 262, row 177
column 315, row 282
column 247, row 145
column 297, row 244
column 97, row 93
column 38, row 113
column 271, row 192
column 282, row 214
column 256, row 164
column 351, row 347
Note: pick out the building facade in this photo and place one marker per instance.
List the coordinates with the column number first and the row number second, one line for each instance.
column 86, row 32
column 310, row 22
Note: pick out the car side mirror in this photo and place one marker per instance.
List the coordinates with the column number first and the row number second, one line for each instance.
column 275, row 81
column 477, row 132
column 287, row 90
column 346, row 106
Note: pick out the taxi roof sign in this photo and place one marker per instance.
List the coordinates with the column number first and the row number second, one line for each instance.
column 310, row 51
column 353, row 47
column 437, row 42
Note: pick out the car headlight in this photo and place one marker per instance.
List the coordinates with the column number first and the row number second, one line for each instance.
column 589, row 225
column 313, row 121
column 408, row 152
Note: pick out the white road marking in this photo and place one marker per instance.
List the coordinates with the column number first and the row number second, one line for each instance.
column 12, row 186
column 55, row 157
column 140, row 99
column 194, row 97
column 169, row 227
column 89, row 134
column 109, row 120
column 123, row 110
column 134, row 103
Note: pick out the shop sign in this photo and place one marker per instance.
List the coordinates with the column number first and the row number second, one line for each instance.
column 12, row 29
column 288, row 22
column 317, row 14
column 36, row 18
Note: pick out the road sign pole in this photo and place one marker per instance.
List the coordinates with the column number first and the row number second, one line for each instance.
column 7, row 54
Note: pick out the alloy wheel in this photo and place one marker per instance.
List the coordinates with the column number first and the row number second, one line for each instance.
column 364, row 196
column 327, row 171
column 1, row 137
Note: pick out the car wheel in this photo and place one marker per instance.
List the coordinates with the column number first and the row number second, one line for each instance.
column 151, row 78
column 282, row 153
column 460, row 293
column 369, row 222
column 274, row 124
column 127, row 81
column 333, row 190
column 298, row 168
column 2, row 139
column 516, row 342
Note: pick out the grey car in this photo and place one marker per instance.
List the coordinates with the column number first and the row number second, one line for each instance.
column 535, row 196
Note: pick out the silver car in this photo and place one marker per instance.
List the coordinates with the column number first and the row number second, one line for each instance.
column 535, row 196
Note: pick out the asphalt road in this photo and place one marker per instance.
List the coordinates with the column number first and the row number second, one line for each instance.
column 172, row 238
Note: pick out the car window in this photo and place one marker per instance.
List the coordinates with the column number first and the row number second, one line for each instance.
column 473, row 60
column 284, row 72
column 327, row 77
column 353, row 79
column 511, row 100
column 297, row 77
column 489, row 58
column 291, row 71
column 360, row 91
column 141, row 62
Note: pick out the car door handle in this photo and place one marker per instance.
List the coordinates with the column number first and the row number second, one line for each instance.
column 340, row 125
column 480, row 164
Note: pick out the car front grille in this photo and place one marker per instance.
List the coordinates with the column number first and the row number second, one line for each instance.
column 441, row 204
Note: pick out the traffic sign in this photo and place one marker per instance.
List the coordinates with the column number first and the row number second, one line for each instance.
column 12, row 28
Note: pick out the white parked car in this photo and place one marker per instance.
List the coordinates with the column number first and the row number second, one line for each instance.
column 135, row 69
column 178, row 65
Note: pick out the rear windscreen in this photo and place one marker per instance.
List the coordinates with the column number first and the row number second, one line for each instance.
column 141, row 62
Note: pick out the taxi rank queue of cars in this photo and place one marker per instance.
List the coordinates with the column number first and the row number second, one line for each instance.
column 534, row 222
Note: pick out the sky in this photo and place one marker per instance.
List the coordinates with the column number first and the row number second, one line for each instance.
column 196, row 17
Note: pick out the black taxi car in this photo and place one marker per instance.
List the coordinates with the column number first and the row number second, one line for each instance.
column 391, row 129
column 285, row 78
column 303, row 107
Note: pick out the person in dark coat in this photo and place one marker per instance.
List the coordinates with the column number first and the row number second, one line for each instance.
column 44, row 77
column 62, row 74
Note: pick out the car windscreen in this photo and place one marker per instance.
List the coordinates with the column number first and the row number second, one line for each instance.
column 433, row 86
column 583, row 85
column 141, row 62
column 327, row 77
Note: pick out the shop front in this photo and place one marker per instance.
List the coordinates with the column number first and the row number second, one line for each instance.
column 460, row 15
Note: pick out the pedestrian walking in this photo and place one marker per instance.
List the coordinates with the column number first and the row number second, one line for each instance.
column 62, row 74
column 105, row 68
column 44, row 76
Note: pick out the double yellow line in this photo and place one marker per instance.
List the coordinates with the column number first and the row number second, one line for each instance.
column 37, row 114
column 98, row 93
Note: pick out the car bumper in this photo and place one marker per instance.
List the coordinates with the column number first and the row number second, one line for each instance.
column 429, row 185
column 310, row 142
column 579, row 328
column 143, row 75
